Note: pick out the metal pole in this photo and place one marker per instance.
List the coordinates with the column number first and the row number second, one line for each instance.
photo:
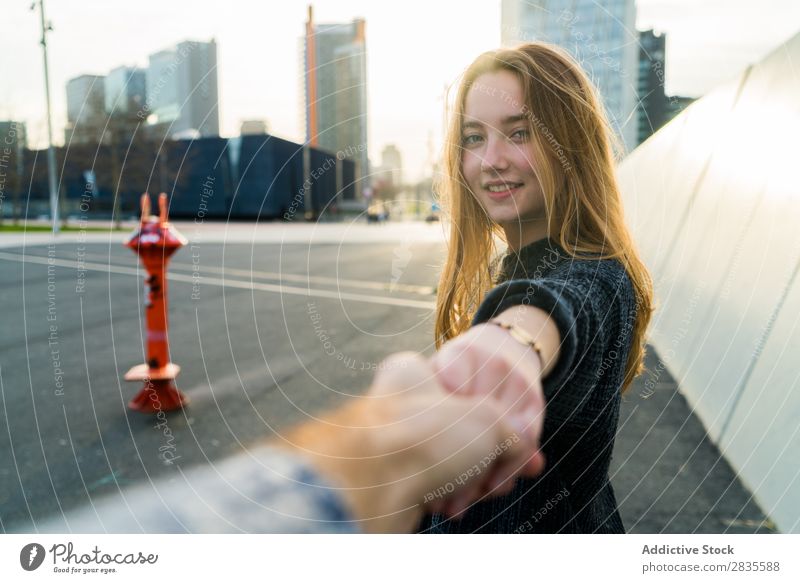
column 20, row 170
column 51, row 152
column 308, row 197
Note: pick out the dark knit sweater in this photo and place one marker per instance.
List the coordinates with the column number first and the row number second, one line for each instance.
column 592, row 302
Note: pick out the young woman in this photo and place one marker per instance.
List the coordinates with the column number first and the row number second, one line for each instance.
column 529, row 160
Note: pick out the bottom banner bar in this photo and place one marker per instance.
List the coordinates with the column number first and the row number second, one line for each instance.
column 370, row 558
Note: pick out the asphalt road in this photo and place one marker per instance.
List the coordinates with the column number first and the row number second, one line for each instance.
column 267, row 334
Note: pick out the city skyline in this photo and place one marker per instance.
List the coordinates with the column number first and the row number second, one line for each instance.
column 260, row 69
column 176, row 95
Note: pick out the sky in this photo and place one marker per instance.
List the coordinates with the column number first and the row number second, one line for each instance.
column 415, row 48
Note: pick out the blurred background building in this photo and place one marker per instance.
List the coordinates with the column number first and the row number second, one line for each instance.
column 176, row 96
column 13, row 137
column 255, row 177
column 335, row 90
column 182, row 91
column 392, row 162
column 654, row 108
column 599, row 35
column 125, row 90
column 13, row 134
column 387, row 178
column 86, row 110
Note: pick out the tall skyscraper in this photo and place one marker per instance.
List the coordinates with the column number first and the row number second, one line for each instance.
column 125, row 90
column 86, row 111
column 182, row 90
column 653, row 106
column 599, row 34
column 335, row 90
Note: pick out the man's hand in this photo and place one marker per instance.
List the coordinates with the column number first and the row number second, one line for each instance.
column 410, row 446
column 486, row 362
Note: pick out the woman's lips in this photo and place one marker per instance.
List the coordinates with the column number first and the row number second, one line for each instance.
column 503, row 193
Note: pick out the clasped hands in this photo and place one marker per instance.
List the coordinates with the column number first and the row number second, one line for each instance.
column 434, row 435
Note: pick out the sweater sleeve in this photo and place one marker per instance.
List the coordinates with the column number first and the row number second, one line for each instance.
column 590, row 301
column 264, row 490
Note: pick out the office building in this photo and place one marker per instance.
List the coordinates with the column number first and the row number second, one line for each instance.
column 182, row 90
column 13, row 135
column 335, row 90
column 392, row 162
column 599, row 34
column 125, row 91
column 677, row 103
column 653, row 106
column 86, row 111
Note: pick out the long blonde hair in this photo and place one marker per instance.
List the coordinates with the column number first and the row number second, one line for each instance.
column 570, row 131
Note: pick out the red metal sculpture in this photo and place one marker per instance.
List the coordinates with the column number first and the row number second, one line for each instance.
column 155, row 241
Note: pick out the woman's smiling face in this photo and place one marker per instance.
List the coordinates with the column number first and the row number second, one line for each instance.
column 498, row 157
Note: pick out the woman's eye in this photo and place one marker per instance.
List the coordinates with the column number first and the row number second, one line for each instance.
column 520, row 135
column 471, row 139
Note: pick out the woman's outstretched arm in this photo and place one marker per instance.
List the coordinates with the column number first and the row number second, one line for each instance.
column 582, row 316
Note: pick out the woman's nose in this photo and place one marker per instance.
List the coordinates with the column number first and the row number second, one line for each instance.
column 495, row 155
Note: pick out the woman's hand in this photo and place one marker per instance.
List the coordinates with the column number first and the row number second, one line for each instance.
column 487, row 361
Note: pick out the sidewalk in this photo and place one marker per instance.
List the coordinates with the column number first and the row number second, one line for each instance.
column 667, row 475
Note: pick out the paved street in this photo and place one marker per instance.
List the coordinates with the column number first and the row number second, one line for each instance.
column 270, row 327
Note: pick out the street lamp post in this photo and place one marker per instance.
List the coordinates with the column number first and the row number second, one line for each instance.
column 51, row 152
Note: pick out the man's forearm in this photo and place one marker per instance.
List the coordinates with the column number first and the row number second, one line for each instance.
column 353, row 448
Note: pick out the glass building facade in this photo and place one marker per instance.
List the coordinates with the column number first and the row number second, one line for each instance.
column 599, row 34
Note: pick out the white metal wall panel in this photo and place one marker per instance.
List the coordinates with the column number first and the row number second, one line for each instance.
column 714, row 202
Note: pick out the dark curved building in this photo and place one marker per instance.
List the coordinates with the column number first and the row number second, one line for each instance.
column 255, row 177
